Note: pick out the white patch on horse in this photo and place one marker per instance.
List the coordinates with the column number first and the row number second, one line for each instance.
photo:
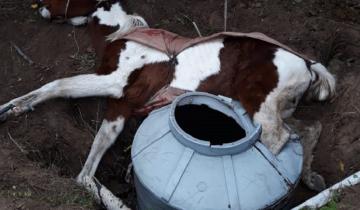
column 197, row 63
column 78, row 21
column 113, row 17
column 294, row 78
column 116, row 16
column 45, row 13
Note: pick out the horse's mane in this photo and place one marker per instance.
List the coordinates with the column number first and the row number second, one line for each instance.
column 128, row 24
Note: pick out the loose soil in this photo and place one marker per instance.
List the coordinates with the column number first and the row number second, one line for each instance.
column 42, row 151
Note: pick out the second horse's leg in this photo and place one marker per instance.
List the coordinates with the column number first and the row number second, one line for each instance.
column 309, row 135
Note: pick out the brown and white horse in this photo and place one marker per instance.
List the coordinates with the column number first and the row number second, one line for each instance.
column 80, row 12
column 75, row 12
column 269, row 81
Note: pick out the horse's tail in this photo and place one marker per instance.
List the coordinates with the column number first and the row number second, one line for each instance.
column 128, row 23
column 322, row 85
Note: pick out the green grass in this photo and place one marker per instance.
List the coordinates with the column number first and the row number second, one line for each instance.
column 332, row 205
column 75, row 196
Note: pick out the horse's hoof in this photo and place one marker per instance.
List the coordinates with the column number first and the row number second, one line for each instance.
column 3, row 117
column 317, row 182
column 4, row 112
column 80, row 180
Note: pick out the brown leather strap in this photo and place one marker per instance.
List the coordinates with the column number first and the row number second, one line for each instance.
column 172, row 44
column 162, row 98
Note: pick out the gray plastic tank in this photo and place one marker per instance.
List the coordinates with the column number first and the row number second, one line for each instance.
column 203, row 152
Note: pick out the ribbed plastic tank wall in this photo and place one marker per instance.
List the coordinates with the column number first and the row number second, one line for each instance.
column 176, row 169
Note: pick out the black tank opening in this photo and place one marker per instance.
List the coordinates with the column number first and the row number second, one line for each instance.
column 205, row 123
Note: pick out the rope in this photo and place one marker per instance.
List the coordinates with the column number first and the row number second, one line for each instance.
column 225, row 14
column 66, row 8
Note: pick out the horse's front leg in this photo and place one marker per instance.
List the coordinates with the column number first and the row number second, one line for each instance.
column 117, row 112
column 73, row 87
column 309, row 134
column 106, row 136
column 274, row 134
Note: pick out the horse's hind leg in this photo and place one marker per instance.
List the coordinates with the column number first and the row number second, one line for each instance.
column 117, row 111
column 74, row 87
column 105, row 137
column 309, row 135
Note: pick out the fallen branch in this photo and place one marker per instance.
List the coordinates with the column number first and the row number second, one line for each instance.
column 21, row 53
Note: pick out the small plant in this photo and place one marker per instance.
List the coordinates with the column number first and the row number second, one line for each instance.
column 332, row 205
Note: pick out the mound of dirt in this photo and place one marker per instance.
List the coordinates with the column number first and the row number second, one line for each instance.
column 57, row 136
column 349, row 199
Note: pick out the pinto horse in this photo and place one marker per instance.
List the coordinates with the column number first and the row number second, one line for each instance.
column 267, row 79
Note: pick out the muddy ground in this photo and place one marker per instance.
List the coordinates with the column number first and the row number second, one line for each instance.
column 41, row 151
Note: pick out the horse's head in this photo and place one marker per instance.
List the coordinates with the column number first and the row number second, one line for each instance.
column 64, row 9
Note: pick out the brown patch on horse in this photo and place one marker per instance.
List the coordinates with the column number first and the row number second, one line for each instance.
column 98, row 34
column 143, row 83
column 110, row 60
column 247, row 72
column 116, row 108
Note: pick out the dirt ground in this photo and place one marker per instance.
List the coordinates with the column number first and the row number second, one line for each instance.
column 41, row 151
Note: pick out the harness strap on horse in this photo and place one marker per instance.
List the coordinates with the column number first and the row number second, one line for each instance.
column 173, row 44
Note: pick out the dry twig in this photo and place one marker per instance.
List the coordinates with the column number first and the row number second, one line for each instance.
column 21, row 53
column 17, row 144
column 194, row 24
column 196, row 28
column 91, row 130
column 76, row 42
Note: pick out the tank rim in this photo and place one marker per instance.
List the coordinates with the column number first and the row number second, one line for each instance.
column 224, row 105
